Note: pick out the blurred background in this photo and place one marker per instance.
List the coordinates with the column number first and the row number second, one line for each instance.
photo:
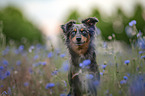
column 38, row 21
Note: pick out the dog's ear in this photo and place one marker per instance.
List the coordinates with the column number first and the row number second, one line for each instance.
column 90, row 21
column 67, row 26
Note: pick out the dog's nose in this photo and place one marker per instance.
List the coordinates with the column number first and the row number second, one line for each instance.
column 78, row 39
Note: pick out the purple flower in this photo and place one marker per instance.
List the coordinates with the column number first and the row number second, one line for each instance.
column 104, row 66
column 5, row 62
column 1, row 67
column 26, row 84
column 125, row 78
column 101, row 73
column 49, row 85
column 62, row 55
column 133, row 22
column 63, row 95
column 89, row 76
column 85, row 63
column 143, row 57
column 43, row 63
column 36, row 57
column 7, row 73
column 123, row 82
column 54, row 72
column 21, row 48
column 127, row 62
column 18, row 63
column 50, row 54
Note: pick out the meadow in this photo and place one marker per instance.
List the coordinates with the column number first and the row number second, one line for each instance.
column 40, row 70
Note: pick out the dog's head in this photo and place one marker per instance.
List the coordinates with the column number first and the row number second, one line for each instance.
column 79, row 35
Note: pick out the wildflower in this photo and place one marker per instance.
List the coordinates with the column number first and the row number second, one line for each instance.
column 110, row 37
column 141, row 43
column 104, row 66
column 49, row 85
column 43, row 63
column 31, row 48
column 89, row 76
column 126, row 62
column 26, row 84
column 50, row 54
column 4, row 92
column 7, row 73
column 104, row 44
column 54, row 72
column 62, row 55
column 65, row 83
column 5, row 62
column 143, row 57
column 1, row 67
column 125, row 78
column 96, row 82
column 18, row 63
column 123, row 82
column 63, row 95
column 139, row 34
column 21, row 47
column 36, row 57
column 140, row 52
column 133, row 22
column 85, row 63
column 1, row 86
column 101, row 73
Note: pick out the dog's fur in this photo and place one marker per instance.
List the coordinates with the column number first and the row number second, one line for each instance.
column 79, row 40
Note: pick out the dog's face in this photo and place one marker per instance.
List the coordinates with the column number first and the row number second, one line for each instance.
column 79, row 35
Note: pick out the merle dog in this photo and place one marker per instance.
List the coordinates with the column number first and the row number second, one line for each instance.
column 84, row 73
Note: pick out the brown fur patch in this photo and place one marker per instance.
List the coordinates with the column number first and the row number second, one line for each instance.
column 80, row 49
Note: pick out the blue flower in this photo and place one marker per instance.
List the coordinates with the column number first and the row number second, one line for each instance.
column 125, row 78
column 104, row 66
column 101, row 73
column 26, row 84
column 63, row 95
column 143, row 57
column 36, row 57
column 62, row 55
column 141, row 43
column 1, row 67
column 85, row 63
column 21, row 48
column 49, row 85
column 18, row 63
column 5, row 62
column 89, row 76
column 54, row 72
column 127, row 62
column 50, row 54
column 123, row 82
column 133, row 22
column 7, row 73
column 43, row 63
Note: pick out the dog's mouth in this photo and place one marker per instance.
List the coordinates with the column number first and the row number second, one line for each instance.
column 79, row 43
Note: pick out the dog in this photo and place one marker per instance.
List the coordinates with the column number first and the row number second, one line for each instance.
column 84, row 73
